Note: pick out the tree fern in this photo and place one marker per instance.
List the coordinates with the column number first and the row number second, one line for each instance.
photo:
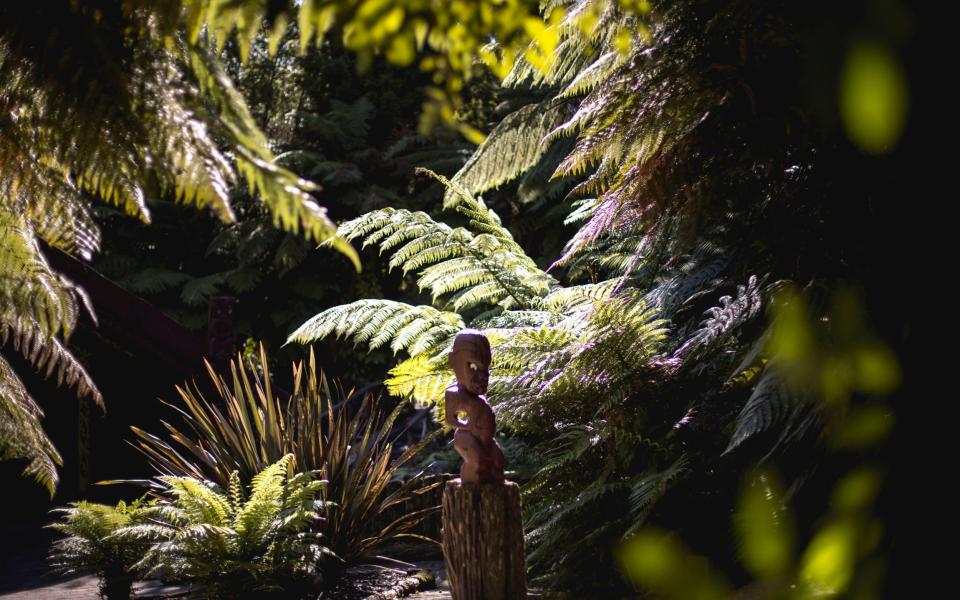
column 36, row 305
column 687, row 155
column 117, row 106
column 466, row 267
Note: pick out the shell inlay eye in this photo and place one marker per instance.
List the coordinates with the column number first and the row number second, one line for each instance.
column 473, row 366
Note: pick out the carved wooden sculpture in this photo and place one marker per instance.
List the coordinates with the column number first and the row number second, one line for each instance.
column 468, row 412
column 482, row 525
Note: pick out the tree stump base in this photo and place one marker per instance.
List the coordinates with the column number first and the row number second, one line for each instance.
column 483, row 541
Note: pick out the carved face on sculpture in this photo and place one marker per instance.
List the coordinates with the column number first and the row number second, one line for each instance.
column 470, row 361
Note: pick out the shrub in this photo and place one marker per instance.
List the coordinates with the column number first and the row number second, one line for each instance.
column 236, row 545
column 248, row 427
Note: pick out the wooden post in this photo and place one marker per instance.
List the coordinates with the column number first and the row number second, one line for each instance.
column 483, row 541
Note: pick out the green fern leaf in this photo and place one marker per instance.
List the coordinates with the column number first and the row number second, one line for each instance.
column 515, row 145
column 415, row 329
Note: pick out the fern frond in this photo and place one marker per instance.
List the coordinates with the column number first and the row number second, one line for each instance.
column 21, row 436
column 423, row 379
column 515, row 145
column 30, row 291
column 51, row 358
column 60, row 215
column 287, row 195
column 199, row 501
column 513, row 319
column 415, row 329
column 570, row 56
column 487, row 267
column 594, row 74
column 722, row 320
column 566, row 299
column 594, row 348
column 773, row 405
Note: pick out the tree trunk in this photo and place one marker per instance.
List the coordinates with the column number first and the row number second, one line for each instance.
column 483, row 541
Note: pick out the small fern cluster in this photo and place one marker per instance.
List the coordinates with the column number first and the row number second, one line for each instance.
column 227, row 542
column 91, row 546
column 233, row 543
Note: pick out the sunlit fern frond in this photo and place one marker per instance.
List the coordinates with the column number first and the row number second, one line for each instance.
column 423, row 378
column 592, row 75
column 21, row 436
column 724, row 319
column 51, row 358
column 287, row 195
column 571, row 55
column 30, row 291
column 635, row 130
column 593, row 350
column 467, row 267
column 572, row 298
column 512, row 319
column 528, row 353
column 51, row 203
column 148, row 110
column 266, row 497
column 200, row 532
column 515, row 145
column 611, row 255
column 586, row 30
column 405, row 327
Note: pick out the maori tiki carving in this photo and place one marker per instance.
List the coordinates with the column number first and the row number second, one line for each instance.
column 469, row 413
